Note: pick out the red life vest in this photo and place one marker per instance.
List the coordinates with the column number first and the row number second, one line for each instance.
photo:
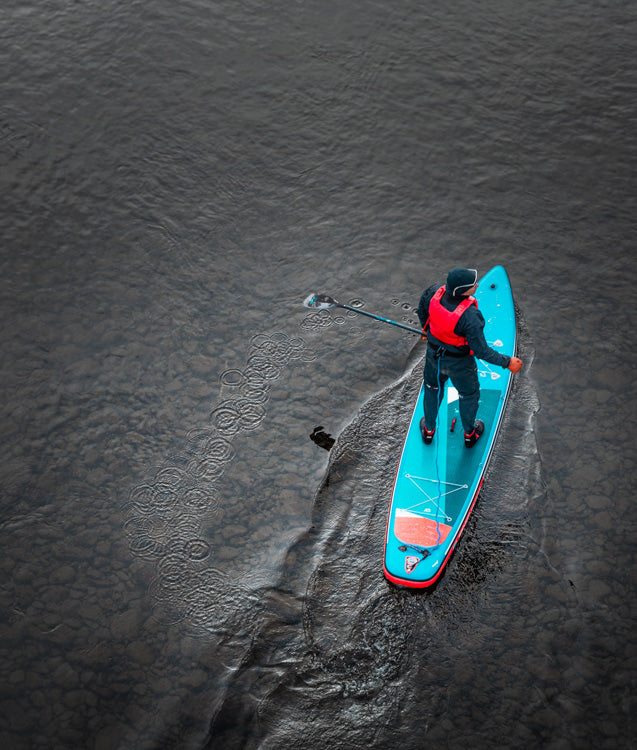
column 442, row 321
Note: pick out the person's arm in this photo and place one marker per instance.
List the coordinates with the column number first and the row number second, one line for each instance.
column 423, row 305
column 474, row 332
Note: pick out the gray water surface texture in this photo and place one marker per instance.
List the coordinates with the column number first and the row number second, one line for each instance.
column 182, row 566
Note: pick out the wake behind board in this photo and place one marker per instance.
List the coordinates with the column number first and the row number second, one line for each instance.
column 437, row 485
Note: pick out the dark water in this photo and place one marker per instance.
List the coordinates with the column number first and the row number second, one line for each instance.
column 182, row 566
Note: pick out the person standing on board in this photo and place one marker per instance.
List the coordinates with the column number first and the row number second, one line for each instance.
column 454, row 328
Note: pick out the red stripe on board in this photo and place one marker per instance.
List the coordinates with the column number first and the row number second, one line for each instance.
column 424, row 532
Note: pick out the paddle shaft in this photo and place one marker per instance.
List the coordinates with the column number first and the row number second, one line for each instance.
column 378, row 317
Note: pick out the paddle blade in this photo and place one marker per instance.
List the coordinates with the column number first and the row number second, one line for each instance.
column 319, row 302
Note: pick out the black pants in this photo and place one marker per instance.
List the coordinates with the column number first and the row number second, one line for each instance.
column 463, row 373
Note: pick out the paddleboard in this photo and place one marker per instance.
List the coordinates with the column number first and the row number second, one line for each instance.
column 437, row 485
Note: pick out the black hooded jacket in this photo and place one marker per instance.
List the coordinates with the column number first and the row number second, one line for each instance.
column 470, row 326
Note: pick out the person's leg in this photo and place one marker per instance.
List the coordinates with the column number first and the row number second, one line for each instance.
column 435, row 379
column 464, row 377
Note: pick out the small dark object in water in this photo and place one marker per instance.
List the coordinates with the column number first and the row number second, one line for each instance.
column 321, row 438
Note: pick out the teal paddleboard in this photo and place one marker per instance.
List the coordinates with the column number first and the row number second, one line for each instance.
column 437, row 485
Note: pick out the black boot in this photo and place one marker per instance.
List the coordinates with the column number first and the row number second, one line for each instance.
column 472, row 438
column 427, row 436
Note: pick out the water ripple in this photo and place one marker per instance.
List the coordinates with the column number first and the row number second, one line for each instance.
column 165, row 517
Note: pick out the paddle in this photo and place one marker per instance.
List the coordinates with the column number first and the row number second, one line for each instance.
column 324, row 302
